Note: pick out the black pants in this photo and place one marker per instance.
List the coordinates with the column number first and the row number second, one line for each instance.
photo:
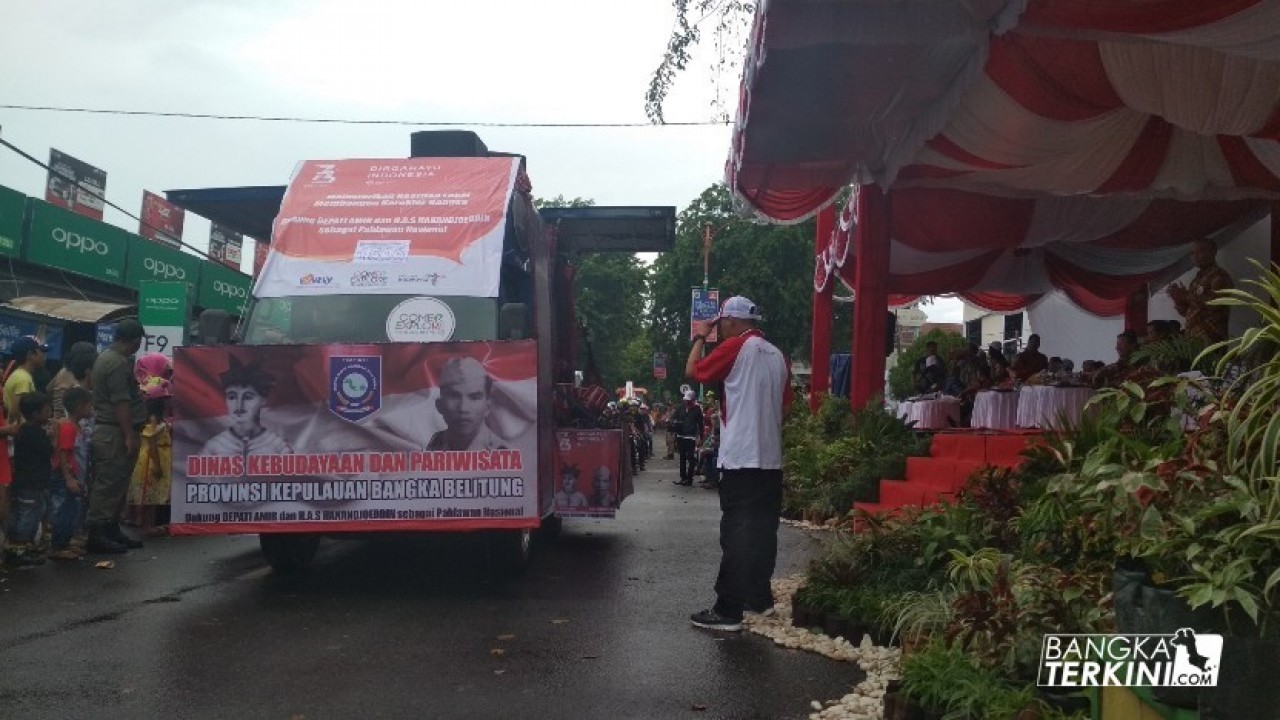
column 750, row 503
column 688, row 458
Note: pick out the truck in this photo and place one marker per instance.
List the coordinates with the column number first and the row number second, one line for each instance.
column 398, row 366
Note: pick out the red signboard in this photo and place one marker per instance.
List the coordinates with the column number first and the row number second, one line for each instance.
column 310, row 438
column 586, row 472
column 75, row 185
column 161, row 220
column 260, row 250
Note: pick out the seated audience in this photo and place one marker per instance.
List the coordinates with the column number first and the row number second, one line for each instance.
column 1030, row 361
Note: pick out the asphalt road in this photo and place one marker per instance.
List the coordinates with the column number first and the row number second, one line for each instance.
column 200, row 628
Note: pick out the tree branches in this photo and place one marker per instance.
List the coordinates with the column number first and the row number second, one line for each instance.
column 732, row 22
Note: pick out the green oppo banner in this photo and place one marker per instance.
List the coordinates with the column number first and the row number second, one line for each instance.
column 152, row 261
column 164, row 304
column 13, row 206
column 164, row 309
column 223, row 289
column 62, row 239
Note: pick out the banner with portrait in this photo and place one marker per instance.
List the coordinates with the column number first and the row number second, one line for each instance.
column 393, row 227
column 321, row 438
column 586, row 471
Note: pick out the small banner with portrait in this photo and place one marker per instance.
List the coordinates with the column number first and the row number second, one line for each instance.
column 401, row 436
column 586, row 471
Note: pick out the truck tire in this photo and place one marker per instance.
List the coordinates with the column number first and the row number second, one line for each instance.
column 510, row 550
column 289, row 553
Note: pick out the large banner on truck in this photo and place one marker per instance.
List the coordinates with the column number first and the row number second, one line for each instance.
column 323, row 438
column 392, row 227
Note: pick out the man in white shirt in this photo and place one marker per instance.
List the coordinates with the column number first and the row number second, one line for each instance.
column 754, row 380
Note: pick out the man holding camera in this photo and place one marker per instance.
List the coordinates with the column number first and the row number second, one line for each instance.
column 755, row 381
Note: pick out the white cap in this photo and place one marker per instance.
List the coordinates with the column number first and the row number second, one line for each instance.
column 740, row 307
column 689, row 395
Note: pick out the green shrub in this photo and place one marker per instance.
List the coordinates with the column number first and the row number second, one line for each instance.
column 948, row 681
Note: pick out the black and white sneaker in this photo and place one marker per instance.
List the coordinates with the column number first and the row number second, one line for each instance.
column 712, row 620
column 766, row 612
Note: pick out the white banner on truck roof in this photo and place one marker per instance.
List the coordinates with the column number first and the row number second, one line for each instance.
column 397, row 226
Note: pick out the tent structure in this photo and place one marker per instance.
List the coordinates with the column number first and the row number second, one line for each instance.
column 1004, row 149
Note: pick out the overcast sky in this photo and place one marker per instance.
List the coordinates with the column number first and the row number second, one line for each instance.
column 419, row 60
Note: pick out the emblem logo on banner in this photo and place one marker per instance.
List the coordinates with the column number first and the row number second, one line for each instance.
column 355, row 386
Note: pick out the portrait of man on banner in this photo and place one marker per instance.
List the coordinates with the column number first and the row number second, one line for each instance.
column 464, row 403
column 246, row 389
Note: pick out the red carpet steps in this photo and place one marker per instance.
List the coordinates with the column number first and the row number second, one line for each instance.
column 953, row 457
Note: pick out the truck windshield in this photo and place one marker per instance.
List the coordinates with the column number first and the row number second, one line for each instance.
column 354, row 319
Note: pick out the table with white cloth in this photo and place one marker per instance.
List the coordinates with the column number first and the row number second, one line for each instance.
column 995, row 410
column 1046, row 406
column 936, row 414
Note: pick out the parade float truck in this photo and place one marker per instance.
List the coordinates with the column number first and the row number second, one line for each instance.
column 394, row 371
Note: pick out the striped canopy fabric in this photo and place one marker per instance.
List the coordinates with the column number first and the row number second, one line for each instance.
column 1029, row 144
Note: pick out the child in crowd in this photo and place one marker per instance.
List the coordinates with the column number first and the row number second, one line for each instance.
column 32, row 466
column 152, row 475
column 7, row 431
column 68, row 487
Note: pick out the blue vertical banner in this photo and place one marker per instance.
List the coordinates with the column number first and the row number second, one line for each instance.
column 106, row 335
column 706, row 306
column 660, row 366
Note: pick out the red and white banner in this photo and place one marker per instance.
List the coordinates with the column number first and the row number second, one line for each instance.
column 408, row 225
column 325, row 438
column 586, row 469
column 161, row 220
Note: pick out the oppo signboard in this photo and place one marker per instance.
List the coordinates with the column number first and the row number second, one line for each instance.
column 223, row 289
column 164, row 309
column 151, row 261
column 62, row 239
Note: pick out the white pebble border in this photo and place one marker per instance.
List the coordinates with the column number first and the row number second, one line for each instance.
column 830, row 524
column 866, row 702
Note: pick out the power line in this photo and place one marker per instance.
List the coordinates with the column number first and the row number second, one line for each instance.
column 349, row 121
column 94, row 192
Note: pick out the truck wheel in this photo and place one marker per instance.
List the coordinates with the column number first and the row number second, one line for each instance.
column 289, row 553
column 511, row 550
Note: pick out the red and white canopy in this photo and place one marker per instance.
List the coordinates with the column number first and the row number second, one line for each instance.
column 1030, row 144
column 1001, row 253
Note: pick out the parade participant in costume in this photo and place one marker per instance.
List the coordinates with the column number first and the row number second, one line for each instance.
column 153, row 473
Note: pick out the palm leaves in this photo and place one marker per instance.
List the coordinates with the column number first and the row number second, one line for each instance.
column 1253, row 421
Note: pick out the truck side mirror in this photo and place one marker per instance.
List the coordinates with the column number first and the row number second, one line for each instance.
column 511, row 321
column 215, row 327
